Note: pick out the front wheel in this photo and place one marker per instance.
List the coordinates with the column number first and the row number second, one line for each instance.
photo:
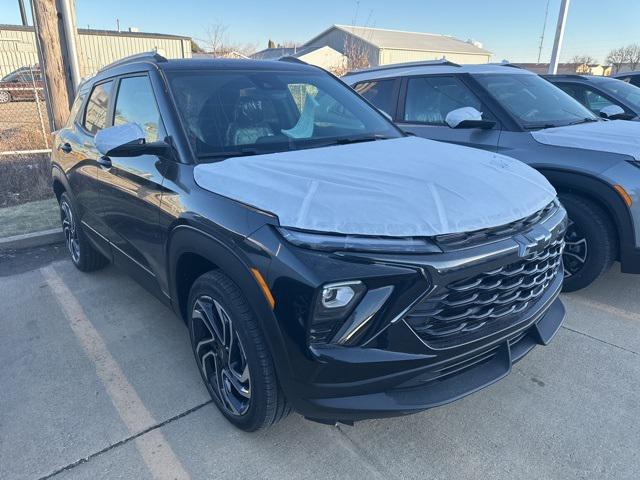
column 5, row 97
column 232, row 355
column 589, row 243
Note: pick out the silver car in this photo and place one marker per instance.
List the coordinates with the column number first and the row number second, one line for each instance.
column 594, row 164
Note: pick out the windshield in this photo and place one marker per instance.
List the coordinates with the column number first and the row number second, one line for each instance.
column 231, row 113
column 534, row 102
column 623, row 90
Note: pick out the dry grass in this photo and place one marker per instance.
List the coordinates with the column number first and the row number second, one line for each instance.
column 22, row 137
column 24, row 178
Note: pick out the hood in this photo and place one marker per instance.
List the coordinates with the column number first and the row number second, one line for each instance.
column 401, row 187
column 617, row 136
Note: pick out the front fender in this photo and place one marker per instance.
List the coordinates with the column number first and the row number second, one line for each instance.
column 236, row 264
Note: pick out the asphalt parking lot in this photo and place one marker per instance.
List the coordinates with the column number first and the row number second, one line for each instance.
column 97, row 380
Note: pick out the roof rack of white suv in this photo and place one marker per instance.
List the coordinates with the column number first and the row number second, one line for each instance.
column 152, row 56
column 423, row 63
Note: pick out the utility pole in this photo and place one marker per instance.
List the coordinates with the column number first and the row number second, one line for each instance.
column 557, row 44
column 53, row 37
column 544, row 29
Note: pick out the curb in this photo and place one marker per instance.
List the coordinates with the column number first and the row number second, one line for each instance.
column 31, row 240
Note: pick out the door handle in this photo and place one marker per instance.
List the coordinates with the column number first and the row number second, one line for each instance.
column 65, row 147
column 104, row 162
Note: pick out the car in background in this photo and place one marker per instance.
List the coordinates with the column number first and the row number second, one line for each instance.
column 22, row 84
column 629, row 77
column 255, row 199
column 593, row 164
column 605, row 96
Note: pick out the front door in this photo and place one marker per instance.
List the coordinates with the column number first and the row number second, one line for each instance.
column 426, row 101
column 130, row 187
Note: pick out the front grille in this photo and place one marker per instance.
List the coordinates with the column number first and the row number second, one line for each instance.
column 487, row 302
column 466, row 239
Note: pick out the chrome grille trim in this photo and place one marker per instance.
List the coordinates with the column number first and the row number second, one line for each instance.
column 477, row 304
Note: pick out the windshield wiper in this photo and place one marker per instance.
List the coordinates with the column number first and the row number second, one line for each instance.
column 584, row 120
column 245, row 152
column 359, row 139
column 540, row 126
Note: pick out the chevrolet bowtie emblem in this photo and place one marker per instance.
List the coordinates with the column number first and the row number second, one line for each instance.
column 533, row 241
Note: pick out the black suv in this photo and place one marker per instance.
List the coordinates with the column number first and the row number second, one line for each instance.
column 318, row 262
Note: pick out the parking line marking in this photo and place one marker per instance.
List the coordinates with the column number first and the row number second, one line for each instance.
column 156, row 452
column 607, row 308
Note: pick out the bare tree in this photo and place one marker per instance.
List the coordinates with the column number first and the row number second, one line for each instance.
column 632, row 54
column 356, row 53
column 581, row 63
column 217, row 42
column 616, row 58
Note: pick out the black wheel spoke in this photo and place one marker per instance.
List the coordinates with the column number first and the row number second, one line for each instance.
column 220, row 355
column 70, row 231
column 575, row 251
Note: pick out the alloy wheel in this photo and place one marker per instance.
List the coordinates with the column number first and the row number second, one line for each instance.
column 575, row 250
column 220, row 355
column 5, row 97
column 70, row 231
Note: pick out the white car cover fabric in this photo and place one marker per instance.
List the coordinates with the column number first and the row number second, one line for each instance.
column 616, row 136
column 401, row 187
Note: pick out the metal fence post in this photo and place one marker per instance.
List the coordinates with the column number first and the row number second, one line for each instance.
column 35, row 93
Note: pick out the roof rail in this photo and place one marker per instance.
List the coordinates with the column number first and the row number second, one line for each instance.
column 565, row 75
column 153, row 56
column 291, row 59
column 423, row 63
column 507, row 64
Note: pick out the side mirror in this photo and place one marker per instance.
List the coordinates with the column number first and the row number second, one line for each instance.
column 613, row 112
column 467, row 117
column 128, row 140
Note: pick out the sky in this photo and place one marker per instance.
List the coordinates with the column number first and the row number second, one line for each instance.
column 509, row 29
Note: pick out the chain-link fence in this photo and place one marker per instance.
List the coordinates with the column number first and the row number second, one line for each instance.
column 24, row 125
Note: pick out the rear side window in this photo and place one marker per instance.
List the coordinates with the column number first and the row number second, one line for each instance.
column 379, row 92
column 430, row 99
column 95, row 117
column 136, row 103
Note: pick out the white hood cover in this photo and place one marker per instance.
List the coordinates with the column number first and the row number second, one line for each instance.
column 401, row 187
column 617, row 136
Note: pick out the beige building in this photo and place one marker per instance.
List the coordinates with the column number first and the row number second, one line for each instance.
column 321, row 56
column 568, row 68
column 382, row 47
column 96, row 48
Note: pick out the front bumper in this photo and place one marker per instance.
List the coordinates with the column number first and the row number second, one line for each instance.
column 396, row 368
column 441, row 383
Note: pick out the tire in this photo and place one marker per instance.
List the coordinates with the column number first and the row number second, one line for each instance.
column 5, row 97
column 590, row 242
column 83, row 254
column 231, row 323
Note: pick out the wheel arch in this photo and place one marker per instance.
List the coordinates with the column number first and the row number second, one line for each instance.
column 599, row 192
column 192, row 252
column 60, row 184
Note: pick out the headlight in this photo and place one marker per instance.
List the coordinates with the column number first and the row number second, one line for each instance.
column 358, row 243
column 339, row 295
column 334, row 303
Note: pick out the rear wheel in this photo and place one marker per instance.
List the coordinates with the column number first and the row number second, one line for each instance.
column 232, row 355
column 589, row 242
column 83, row 255
column 5, row 97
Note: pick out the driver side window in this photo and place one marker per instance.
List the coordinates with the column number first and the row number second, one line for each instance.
column 430, row 99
